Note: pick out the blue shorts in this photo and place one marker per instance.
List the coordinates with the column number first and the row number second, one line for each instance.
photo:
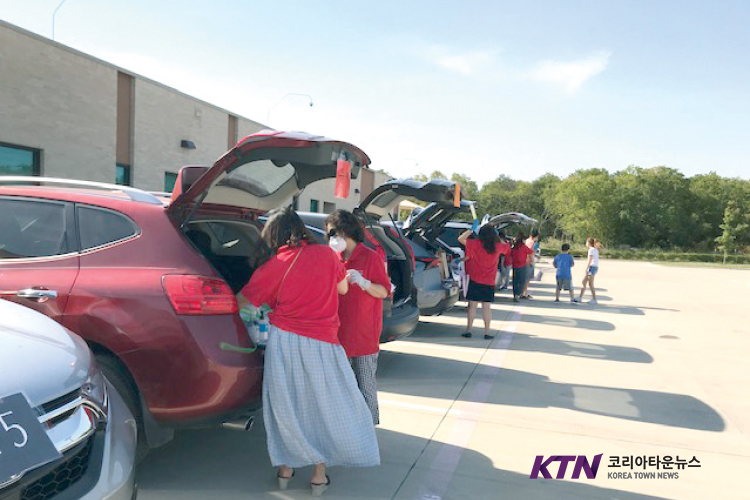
column 593, row 270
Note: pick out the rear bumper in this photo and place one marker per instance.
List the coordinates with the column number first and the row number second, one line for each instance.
column 401, row 323
column 188, row 380
column 450, row 297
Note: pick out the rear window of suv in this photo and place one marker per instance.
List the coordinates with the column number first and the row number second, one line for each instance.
column 98, row 227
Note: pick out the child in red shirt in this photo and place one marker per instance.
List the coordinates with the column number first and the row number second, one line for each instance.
column 521, row 255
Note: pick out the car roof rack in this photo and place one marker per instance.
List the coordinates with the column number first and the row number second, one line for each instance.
column 135, row 194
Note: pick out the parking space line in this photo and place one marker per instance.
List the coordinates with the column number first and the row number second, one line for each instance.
column 443, row 466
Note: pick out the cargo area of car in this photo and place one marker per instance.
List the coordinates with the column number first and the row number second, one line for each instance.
column 399, row 262
column 228, row 245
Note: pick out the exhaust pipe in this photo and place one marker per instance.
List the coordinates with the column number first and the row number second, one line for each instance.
column 243, row 424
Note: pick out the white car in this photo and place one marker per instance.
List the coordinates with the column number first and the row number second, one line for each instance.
column 65, row 433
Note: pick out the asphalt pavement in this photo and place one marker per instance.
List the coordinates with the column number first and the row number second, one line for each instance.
column 657, row 369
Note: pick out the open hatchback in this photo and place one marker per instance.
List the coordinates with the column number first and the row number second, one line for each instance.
column 437, row 288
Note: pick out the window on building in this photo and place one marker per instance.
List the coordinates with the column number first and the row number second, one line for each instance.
column 314, row 206
column 328, row 207
column 18, row 160
column 122, row 174
column 32, row 229
column 170, row 178
column 99, row 227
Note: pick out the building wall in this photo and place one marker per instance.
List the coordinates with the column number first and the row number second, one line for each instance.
column 53, row 99
column 162, row 120
column 64, row 102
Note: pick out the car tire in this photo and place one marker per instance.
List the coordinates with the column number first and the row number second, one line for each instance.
column 120, row 378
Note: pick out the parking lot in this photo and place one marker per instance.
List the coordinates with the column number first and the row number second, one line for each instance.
column 658, row 368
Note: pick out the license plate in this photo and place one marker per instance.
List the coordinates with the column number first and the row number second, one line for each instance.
column 24, row 445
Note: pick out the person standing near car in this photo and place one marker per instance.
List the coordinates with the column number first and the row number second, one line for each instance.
column 521, row 256
column 531, row 242
column 482, row 256
column 505, row 263
column 308, row 383
column 592, row 267
column 361, row 309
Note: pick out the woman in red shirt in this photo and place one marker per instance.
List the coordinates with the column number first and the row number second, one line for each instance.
column 308, row 382
column 522, row 256
column 361, row 309
column 482, row 257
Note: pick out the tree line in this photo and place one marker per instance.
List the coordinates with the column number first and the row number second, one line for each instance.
column 646, row 208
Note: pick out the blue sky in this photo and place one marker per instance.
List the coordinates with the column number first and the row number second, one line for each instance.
column 480, row 88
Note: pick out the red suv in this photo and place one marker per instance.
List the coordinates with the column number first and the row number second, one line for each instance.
column 149, row 282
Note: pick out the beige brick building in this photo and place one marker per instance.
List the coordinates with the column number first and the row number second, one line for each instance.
column 66, row 114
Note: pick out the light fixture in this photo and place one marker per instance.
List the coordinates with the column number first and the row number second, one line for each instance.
column 268, row 116
column 187, row 144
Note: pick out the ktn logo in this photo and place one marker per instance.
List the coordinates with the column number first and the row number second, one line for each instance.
column 581, row 464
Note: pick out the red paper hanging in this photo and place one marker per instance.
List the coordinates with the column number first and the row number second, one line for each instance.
column 343, row 178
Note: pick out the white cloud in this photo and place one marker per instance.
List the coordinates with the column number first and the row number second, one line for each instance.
column 571, row 75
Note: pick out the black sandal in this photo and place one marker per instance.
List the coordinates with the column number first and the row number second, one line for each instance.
column 284, row 481
column 466, row 335
column 319, row 488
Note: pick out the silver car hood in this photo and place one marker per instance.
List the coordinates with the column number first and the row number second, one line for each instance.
column 38, row 357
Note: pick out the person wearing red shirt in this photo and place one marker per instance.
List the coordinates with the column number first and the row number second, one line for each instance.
column 308, row 382
column 522, row 256
column 482, row 258
column 361, row 309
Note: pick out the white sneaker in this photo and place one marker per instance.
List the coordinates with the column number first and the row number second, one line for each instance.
column 575, row 301
column 593, row 301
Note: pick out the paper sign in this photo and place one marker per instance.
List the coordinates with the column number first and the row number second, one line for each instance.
column 343, row 178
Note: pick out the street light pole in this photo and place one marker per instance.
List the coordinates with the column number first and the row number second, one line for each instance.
column 268, row 116
column 53, row 18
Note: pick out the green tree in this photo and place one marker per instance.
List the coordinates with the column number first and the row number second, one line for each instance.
column 584, row 205
column 652, row 208
column 469, row 188
column 733, row 228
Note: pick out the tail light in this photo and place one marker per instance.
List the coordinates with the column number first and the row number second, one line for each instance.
column 429, row 262
column 197, row 295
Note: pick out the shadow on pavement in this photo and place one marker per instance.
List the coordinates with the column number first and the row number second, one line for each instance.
column 228, row 465
column 430, row 376
column 451, row 335
column 503, row 315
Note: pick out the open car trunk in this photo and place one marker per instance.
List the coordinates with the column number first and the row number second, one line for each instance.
column 400, row 268
column 228, row 245
column 260, row 173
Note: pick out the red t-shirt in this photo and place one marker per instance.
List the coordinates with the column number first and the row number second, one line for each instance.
column 519, row 255
column 481, row 266
column 308, row 302
column 360, row 313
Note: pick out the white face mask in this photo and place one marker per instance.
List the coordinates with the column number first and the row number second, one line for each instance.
column 337, row 243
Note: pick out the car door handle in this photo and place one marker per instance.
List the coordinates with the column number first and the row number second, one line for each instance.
column 36, row 294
